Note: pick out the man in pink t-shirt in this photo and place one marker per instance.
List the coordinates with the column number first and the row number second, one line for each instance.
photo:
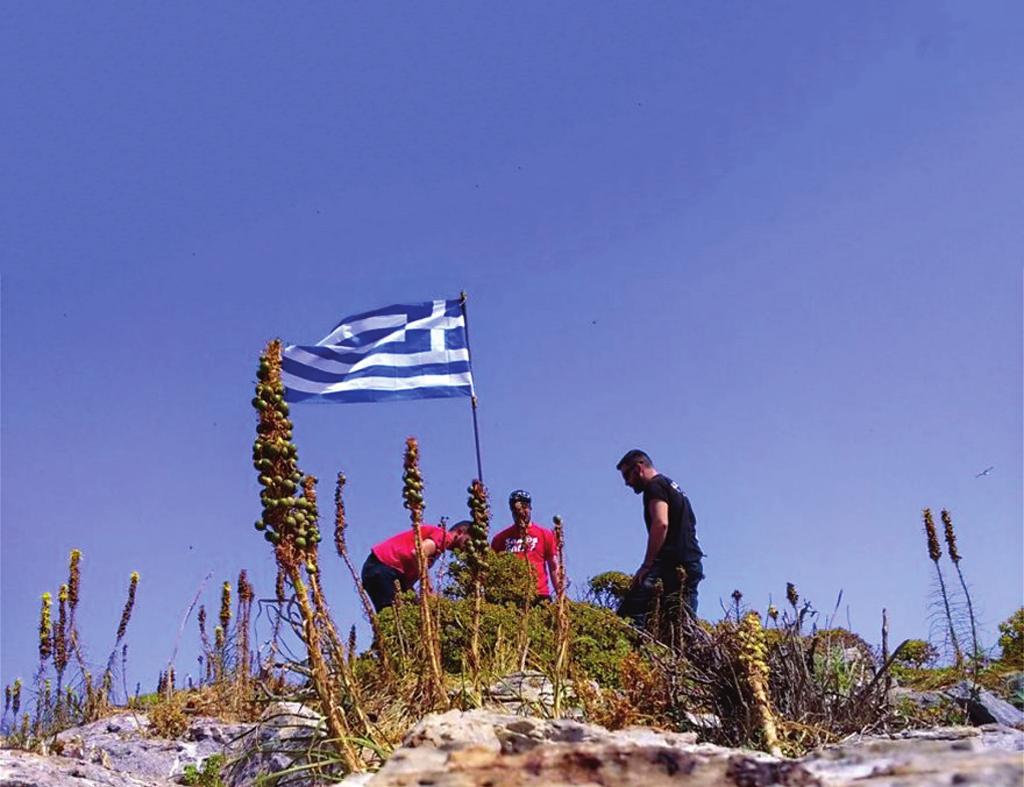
column 395, row 559
column 529, row 541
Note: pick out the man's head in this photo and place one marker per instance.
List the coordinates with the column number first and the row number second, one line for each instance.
column 521, row 506
column 459, row 533
column 637, row 469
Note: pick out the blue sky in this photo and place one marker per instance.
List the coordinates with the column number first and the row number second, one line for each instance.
column 777, row 247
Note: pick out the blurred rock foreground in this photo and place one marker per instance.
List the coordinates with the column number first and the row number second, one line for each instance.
column 483, row 748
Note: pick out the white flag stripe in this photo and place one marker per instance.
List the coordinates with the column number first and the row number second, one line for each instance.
column 397, row 335
column 350, row 329
column 375, row 359
column 377, row 383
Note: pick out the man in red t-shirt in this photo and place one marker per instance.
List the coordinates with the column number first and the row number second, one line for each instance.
column 395, row 559
column 529, row 541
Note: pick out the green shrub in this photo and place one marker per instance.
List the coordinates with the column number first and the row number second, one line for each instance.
column 208, row 776
column 608, row 589
column 1011, row 639
column 916, row 654
column 600, row 640
column 510, row 580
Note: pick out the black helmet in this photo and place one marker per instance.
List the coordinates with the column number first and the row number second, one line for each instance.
column 520, row 494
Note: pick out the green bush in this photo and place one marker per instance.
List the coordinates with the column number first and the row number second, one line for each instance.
column 600, row 640
column 1011, row 639
column 916, row 654
column 510, row 580
column 608, row 589
column 208, row 776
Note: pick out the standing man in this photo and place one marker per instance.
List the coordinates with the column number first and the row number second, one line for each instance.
column 529, row 541
column 671, row 539
column 395, row 559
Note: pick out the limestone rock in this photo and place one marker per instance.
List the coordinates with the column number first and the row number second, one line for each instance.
column 280, row 739
column 122, row 743
column 984, row 707
column 1014, row 683
column 941, row 756
column 480, row 748
column 24, row 769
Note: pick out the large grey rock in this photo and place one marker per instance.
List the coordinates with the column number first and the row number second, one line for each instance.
column 984, row 707
column 123, row 743
column 287, row 735
column 513, row 734
column 941, row 756
column 121, row 747
column 480, row 748
column 23, row 769
column 1014, row 683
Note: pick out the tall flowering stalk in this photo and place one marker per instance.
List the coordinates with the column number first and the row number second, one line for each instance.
column 954, row 555
column 225, row 626
column 245, row 599
column 289, row 525
column 60, row 645
column 16, row 697
column 122, row 629
column 935, row 552
column 753, row 658
column 74, row 594
column 341, row 547
column 45, row 630
column 412, row 492
column 225, row 605
column 477, row 551
column 333, row 640
column 561, row 620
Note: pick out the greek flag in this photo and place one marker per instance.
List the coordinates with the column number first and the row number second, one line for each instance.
column 407, row 351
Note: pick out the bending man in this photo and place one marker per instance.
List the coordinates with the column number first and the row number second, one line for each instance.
column 395, row 559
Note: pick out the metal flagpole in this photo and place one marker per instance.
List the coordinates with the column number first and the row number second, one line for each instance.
column 472, row 397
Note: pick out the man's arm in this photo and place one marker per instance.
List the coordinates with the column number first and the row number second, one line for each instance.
column 658, row 509
column 552, row 562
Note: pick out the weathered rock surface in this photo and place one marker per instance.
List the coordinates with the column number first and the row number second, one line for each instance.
column 278, row 741
column 984, row 707
column 487, row 749
column 1014, row 683
column 478, row 749
column 121, row 743
column 22, row 769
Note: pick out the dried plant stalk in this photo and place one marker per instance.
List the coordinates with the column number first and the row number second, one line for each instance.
column 935, row 552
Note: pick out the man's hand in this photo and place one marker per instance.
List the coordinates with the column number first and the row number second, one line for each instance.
column 638, row 577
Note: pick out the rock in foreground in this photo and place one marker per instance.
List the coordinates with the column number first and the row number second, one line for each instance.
column 486, row 749
column 481, row 749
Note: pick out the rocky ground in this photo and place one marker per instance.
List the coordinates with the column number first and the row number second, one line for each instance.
column 504, row 747
column 487, row 749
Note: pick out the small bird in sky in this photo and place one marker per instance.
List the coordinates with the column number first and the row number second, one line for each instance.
column 986, row 471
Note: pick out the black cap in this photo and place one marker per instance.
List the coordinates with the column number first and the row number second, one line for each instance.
column 520, row 494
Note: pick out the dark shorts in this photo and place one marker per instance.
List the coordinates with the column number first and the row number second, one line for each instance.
column 639, row 601
column 379, row 582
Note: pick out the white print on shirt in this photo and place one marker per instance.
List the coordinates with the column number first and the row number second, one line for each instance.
column 518, row 545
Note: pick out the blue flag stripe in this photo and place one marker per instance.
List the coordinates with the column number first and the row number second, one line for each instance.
column 435, row 392
column 311, row 374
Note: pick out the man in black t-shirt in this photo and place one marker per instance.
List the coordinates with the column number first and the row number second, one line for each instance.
column 671, row 539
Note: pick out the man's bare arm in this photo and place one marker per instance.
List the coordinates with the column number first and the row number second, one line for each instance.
column 658, row 510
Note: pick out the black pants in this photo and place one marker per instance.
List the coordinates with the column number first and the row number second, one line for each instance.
column 639, row 601
column 379, row 582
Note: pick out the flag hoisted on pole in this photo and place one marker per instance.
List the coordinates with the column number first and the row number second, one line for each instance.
column 405, row 351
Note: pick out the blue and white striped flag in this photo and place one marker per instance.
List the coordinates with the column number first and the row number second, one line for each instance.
column 406, row 351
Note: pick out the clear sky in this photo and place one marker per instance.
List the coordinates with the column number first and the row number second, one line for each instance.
column 778, row 246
